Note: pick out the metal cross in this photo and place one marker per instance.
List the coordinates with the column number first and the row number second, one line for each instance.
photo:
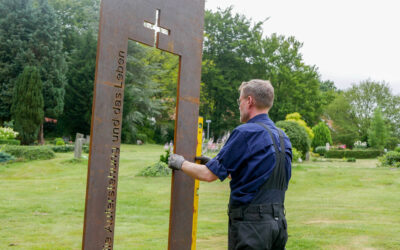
column 156, row 27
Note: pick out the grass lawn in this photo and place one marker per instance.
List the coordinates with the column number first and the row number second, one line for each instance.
column 330, row 205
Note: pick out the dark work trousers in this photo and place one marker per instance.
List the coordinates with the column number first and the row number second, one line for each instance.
column 261, row 224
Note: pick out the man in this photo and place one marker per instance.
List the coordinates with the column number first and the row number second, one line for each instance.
column 257, row 158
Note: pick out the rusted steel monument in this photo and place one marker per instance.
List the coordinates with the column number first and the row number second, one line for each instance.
column 175, row 26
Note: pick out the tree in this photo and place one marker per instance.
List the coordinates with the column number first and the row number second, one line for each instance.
column 296, row 117
column 352, row 111
column 344, row 121
column 27, row 105
column 322, row 135
column 297, row 135
column 79, row 90
column 141, row 108
column 377, row 133
column 235, row 50
column 365, row 97
column 30, row 35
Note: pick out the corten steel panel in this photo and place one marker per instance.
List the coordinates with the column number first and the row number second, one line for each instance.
column 121, row 20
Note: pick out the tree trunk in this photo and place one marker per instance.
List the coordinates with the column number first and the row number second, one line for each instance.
column 41, row 135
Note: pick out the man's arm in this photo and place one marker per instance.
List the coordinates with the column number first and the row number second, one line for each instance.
column 198, row 171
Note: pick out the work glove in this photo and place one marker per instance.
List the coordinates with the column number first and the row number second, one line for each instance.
column 175, row 161
column 203, row 159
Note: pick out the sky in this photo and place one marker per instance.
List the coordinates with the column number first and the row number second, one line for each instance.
column 348, row 40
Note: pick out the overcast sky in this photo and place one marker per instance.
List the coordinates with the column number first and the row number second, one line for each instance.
column 349, row 41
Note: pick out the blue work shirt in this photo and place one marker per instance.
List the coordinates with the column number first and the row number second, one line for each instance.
column 249, row 157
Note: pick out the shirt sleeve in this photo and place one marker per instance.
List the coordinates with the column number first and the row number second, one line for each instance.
column 231, row 156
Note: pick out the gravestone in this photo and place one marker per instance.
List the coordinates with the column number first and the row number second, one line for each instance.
column 175, row 26
column 78, row 145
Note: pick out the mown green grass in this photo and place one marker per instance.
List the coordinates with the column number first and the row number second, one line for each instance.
column 330, row 205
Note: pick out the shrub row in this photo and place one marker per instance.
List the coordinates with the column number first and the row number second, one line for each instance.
column 63, row 149
column 10, row 142
column 30, row 152
column 358, row 154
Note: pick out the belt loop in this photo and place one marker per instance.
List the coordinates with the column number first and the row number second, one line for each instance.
column 275, row 211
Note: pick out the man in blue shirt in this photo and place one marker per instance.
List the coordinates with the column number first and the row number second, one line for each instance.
column 257, row 157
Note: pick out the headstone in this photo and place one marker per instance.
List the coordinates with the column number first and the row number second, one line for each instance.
column 327, row 146
column 175, row 26
column 78, row 145
column 307, row 156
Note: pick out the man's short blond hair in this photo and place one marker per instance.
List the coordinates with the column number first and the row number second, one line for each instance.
column 261, row 90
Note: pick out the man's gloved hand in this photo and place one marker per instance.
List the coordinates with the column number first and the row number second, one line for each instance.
column 175, row 161
column 203, row 159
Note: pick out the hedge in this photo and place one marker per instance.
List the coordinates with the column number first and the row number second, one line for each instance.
column 10, row 142
column 63, row 149
column 30, row 152
column 358, row 154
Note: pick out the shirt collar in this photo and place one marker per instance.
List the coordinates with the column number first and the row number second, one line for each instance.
column 259, row 118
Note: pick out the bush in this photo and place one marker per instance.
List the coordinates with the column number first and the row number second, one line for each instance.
column 63, row 149
column 59, row 142
column 322, row 135
column 391, row 159
column 360, row 145
column 397, row 149
column 297, row 135
column 30, row 152
column 351, row 159
column 164, row 158
column 358, row 154
column 10, row 142
column 296, row 155
column 156, row 170
column 321, row 150
column 5, row 157
column 7, row 133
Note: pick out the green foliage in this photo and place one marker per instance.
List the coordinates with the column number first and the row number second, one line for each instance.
column 297, row 135
column 322, row 135
column 397, row 149
column 358, row 154
column 360, row 145
column 296, row 117
column 164, row 157
column 321, row 150
column 30, row 152
column 27, row 105
column 345, row 129
column 236, row 50
column 30, row 35
column 296, row 155
column 351, row 159
column 156, row 170
column 5, row 157
column 10, row 142
column 377, row 133
column 390, row 159
column 63, row 149
column 141, row 107
column 79, row 89
column 7, row 133
column 352, row 111
column 59, row 141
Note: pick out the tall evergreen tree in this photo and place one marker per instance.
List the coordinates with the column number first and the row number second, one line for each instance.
column 377, row 133
column 27, row 105
column 30, row 35
column 79, row 90
column 322, row 135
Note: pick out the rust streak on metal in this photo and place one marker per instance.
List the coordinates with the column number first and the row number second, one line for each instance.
column 191, row 99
